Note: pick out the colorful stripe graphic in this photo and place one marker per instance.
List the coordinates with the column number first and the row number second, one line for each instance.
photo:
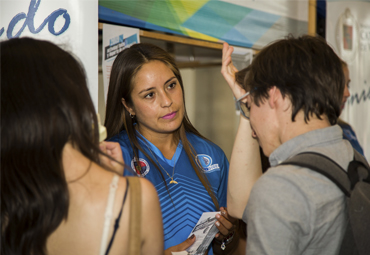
column 210, row 20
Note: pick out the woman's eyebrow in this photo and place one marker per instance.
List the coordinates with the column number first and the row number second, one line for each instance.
column 170, row 79
column 145, row 90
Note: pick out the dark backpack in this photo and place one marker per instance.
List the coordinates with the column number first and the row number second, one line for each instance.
column 355, row 184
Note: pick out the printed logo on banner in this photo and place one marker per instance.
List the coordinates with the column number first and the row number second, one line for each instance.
column 347, row 36
column 29, row 21
column 205, row 162
column 118, row 44
column 144, row 166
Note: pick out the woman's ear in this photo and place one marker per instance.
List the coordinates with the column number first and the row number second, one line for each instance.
column 129, row 109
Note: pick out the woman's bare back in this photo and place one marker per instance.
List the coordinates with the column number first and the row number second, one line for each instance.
column 81, row 233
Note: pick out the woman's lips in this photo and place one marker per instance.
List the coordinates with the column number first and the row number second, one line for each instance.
column 169, row 116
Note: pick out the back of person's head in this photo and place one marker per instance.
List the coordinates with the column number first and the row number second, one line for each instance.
column 305, row 69
column 122, row 80
column 45, row 103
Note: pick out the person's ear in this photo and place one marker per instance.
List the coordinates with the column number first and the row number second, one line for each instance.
column 274, row 96
column 128, row 108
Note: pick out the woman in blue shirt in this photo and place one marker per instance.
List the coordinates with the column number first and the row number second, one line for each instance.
column 146, row 114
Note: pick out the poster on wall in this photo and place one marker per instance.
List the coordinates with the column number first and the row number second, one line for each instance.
column 115, row 40
column 71, row 24
column 251, row 24
column 348, row 32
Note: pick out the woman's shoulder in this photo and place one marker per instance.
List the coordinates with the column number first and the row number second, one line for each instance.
column 201, row 143
column 121, row 137
column 124, row 141
column 147, row 190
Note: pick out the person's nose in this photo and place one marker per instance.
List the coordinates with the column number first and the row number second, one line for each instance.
column 254, row 135
column 346, row 93
column 166, row 100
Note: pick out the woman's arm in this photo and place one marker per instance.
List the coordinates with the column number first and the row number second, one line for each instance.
column 245, row 169
column 245, row 163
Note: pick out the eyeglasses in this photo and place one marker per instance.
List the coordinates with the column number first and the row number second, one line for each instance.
column 244, row 109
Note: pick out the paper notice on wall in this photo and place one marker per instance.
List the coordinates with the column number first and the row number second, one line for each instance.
column 115, row 40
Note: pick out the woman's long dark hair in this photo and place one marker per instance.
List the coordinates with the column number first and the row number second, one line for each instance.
column 117, row 118
column 45, row 103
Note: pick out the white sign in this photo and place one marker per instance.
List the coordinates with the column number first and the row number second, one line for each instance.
column 348, row 32
column 115, row 40
column 71, row 24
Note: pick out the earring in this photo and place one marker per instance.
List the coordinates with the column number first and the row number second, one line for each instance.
column 131, row 116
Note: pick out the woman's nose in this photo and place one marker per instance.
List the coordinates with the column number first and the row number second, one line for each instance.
column 346, row 93
column 166, row 100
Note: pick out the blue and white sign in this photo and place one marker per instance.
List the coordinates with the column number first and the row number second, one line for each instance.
column 71, row 24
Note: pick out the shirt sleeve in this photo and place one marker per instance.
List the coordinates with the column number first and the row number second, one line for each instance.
column 224, row 173
column 350, row 135
column 126, row 154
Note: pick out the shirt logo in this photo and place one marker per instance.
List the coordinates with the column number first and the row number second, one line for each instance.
column 144, row 167
column 205, row 162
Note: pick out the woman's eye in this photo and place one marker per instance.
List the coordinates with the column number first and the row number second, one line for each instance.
column 172, row 85
column 150, row 95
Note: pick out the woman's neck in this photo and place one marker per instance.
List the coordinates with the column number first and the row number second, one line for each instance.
column 75, row 164
column 165, row 142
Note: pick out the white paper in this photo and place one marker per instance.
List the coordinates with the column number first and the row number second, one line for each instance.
column 204, row 231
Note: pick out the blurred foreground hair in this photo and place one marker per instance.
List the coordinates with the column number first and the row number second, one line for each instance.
column 45, row 103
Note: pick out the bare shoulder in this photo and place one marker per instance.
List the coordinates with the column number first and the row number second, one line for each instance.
column 147, row 186
column 148, row 191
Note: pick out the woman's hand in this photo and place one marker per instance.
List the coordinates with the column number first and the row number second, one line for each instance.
column 112, row 149
column 228, row 70
column 227, row 226
column 181, row 247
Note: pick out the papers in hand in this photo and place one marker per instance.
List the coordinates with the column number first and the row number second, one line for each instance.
column 204, row 231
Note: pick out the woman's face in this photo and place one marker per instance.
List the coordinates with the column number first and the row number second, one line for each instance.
column 157, row 100
column 346, row 93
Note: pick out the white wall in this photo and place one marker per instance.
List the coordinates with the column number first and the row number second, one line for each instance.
column 210, row 105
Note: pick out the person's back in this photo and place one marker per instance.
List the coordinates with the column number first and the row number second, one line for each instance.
column 81, row 232
column 56, row 192
column 304, row 212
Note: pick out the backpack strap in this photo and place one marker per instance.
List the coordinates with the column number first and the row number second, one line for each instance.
column 357, row 233
column 323, row 165
column 358, row 169
column 135, row 216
